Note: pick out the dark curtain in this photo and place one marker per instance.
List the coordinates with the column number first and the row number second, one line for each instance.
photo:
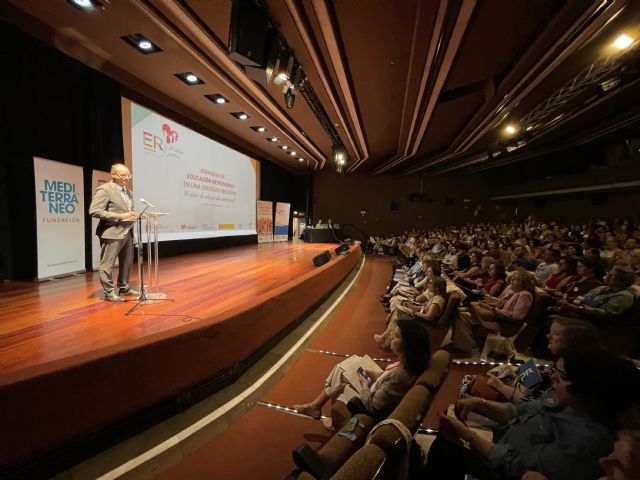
column 56, row 108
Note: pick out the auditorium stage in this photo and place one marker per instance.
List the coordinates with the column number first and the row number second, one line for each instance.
column 72, row 364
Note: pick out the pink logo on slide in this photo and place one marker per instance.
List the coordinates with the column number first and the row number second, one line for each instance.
column 170, row 136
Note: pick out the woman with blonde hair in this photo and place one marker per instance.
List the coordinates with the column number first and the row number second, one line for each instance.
column 488, row 315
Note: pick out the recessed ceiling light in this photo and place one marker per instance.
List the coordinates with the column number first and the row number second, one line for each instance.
column 240, row 115
column 622, row 42
column 141, row 43
column 85, row 4
column 284, row 147
column 258, row 128
column 293, row 153
column 300, row 159
column 272, row 139
column 217, row 98
column 189, row 78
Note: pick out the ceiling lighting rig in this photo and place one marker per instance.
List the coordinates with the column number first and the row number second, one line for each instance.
column 257, row 45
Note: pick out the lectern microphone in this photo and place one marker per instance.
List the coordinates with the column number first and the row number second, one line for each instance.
column 146, row 203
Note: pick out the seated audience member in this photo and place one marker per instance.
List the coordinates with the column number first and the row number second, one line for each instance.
column 480, row 275
column 520, row 259
column 560, row 436
column 471, row 328
column 610, row 300
column 598, row 265
column 547, row 267
column 429, row 311
column 464, row 261
column 494, row 251
column 581, row 283
column 474, row 267
column 492, row 286
column 450, row 260
column 566, row 270
column 631, row 254
column 574, row 250
column 438, row 248
column 611, row 251
column 411, row 345
column 568, row 334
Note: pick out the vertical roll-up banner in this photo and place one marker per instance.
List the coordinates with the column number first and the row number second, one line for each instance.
column 98, row 177
column 60, row 218
column 265, row 221
column 281, row 229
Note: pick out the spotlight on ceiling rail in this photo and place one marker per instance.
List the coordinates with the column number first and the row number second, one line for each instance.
column 340, row 157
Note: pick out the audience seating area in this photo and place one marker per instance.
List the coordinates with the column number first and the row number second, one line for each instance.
column 379, row 451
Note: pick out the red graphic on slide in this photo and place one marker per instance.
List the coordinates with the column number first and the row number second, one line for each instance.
column 170, row 136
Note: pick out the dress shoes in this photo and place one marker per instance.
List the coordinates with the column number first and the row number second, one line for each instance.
column 129, row 291
column 112, row 297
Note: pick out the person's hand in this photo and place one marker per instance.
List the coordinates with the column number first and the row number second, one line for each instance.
column 533, row 476
column 466, row 406
column 130, row 216
column 373, row 375
column 493, row 381
column 452, row 428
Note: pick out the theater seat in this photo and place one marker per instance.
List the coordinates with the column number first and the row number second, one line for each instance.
column 409, row 411
column 366, row 463
column 622, row 335
column 537, row 320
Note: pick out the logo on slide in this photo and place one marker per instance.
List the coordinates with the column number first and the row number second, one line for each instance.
column 158, row 144
column 170, row 136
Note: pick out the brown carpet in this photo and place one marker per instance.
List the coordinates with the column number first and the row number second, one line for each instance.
column 259, row 445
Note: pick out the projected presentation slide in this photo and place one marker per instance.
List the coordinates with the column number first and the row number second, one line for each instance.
column 207, row 189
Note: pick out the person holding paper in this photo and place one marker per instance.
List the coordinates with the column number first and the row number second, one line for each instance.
column 561, row 436
column 112, row 204
column 410, row 343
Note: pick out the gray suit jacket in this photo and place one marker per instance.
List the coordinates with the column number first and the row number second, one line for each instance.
column 108, row 205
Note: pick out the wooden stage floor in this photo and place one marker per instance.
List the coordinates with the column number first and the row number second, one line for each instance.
column 49, row 321
column 67, row 353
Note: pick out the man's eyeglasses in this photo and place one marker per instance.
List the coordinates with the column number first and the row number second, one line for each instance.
column 122, row 175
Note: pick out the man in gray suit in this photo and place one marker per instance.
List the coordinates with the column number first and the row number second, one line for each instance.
column 112, row 203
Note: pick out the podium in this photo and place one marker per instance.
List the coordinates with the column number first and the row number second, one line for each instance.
column 149, row 289
column 153, row 285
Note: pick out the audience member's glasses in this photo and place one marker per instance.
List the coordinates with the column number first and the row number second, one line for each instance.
column 561, row 374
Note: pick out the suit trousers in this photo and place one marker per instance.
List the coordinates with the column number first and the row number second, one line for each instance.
column 112, row 249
